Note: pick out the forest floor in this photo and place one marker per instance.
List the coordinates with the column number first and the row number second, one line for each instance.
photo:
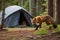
column 26, row 34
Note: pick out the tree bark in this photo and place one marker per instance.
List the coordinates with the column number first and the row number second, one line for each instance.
column 3, row 13
column 39, row 7
column 50, row 8
column 16, row 2
column 22, row 2
column 58, row 11
column 32, row 7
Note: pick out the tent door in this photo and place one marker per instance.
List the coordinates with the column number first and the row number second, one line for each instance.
column 22, row 19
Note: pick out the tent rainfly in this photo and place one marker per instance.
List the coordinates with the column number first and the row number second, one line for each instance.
column 16, row 15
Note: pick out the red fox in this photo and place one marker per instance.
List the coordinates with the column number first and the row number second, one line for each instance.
column 46, row 18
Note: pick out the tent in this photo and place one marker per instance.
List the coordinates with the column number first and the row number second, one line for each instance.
column 15, row 16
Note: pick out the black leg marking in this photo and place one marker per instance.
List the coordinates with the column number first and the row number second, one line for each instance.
column 38, row 26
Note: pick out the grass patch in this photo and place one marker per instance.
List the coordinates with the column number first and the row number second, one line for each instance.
column 41, row 31
column 22, row 38
column 57, row 29
column 44, row 30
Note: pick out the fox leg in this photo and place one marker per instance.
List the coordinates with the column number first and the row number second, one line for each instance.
column 51, row 22
column 48, row 23
column 38, row 26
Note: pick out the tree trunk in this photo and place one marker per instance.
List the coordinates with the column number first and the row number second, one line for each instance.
column 39, row 7
column 22, row 2
column 58, row 11
column 32, row 7
column 3, row 13
column 50, row 8
column 16, row 2
column 54, row 9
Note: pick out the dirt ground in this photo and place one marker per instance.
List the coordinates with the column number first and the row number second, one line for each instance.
column 26, row 34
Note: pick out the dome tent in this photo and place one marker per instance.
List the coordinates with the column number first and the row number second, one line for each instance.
column 15, row 15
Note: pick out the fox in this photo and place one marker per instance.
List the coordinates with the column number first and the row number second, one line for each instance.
column 45, row 18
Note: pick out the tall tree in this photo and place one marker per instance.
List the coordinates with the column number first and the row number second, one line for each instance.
column 16, row 3
column 32, row 7
column 58, row 11
column 26, row 5
column 0, row 4
column 39, row 6
column 3, row 13
column 22, row 2
column 50, row 8
column 54, row 9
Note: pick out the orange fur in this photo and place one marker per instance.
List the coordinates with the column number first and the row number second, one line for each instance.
column 39, row 19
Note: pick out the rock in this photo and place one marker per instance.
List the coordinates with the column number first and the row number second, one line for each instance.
column 39, row 37
column 31, row 37
column 49, row 33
